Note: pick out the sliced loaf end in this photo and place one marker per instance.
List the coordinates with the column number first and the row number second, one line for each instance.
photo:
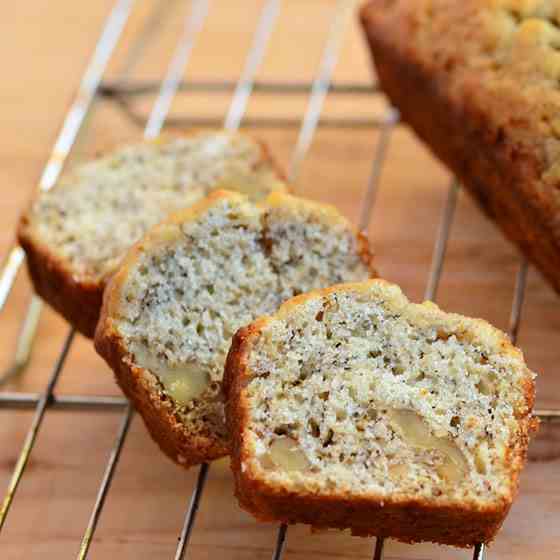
column 354, row 408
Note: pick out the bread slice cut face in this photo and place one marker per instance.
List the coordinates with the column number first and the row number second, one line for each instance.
column 353, row 408
column 183, row 291
column 76, row 234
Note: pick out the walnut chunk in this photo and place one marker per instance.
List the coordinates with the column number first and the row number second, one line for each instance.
column 481, row 458
column 535, row 32
column 398, row 471
column 416, row 433
column 449, row 471
column 285, row 454
column 185, row 383
column 486, row 386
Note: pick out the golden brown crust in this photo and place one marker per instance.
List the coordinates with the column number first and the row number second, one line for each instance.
column 79, row 299
column 408, row 520
column 144, row 391
column 502, row 173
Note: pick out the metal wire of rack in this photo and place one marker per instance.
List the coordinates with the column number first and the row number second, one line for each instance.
column 120, row 91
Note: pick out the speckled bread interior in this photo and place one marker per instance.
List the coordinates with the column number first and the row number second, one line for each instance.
column 182, row 292
column 477, row 80
column 353, row 408
column 76, row 234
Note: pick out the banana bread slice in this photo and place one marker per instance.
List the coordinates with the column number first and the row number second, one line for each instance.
column 76, row 234
column 353, row 408
column 182, row 292
column 477, row 80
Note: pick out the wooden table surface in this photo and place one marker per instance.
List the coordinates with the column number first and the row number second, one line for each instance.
column 44, row 46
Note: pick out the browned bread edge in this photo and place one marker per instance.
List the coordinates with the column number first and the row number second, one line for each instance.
column 77, row 300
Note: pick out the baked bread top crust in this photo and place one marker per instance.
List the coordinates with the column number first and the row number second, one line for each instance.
column 499, row 59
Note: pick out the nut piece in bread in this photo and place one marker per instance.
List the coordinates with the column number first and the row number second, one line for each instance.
column 486, row 100
column 76, row 234
column 353, row 408
column 182, row 292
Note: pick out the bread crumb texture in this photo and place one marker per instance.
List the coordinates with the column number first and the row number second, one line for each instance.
column 103, row 207
column 194, row 280
column 354, row 392
column 488, row 52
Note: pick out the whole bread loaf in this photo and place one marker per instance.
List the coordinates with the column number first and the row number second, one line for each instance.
column 76, row 234
column 170, row 311
column 355, row 409
column 477, row 80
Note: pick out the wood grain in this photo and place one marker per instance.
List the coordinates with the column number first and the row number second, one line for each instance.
column 43, row 48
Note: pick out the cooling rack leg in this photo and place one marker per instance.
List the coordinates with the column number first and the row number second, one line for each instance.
column 320, row 86
column 136, row 116
column 479, row 552
column 548, row 415
column 246, row 82
column 378, row 550
column 137, row 88
column 170, row 85
column 9, row 272
column 162, row 10
column 518, row 298
column 25, row 341
column 34, row 430
column 440, row 247
column 78, row 403
column 105, row 484
column 389, row 122
column 280, row 542
column 190, row 517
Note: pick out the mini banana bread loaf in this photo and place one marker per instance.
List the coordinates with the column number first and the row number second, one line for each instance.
column 76, row 234
column 182, row 292
column 353, row 408
column 477, row 80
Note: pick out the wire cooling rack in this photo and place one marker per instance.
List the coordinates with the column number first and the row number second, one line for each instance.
column 122, row 91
